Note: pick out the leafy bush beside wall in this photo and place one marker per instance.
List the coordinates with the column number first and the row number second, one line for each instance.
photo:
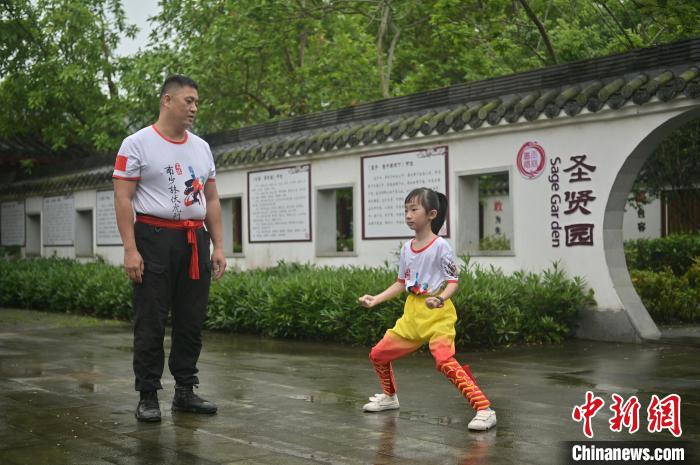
column 315, row 303
column 667, row 297
column 665, row 273
column 675, row 252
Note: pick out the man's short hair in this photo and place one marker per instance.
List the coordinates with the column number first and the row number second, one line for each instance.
column 177, row 80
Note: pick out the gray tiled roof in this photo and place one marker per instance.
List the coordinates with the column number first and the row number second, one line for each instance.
column 95, row 178
column 569, row 100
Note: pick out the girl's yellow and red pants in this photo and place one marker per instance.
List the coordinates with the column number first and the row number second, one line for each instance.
column 417, row 326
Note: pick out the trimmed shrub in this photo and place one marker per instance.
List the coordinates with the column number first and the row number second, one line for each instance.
column 320, row 303
column 670, row 298
column 316, row 303
column 495, row 242
column 666, row 274
column 675, row 252
column 496, row 309
column 63, row 285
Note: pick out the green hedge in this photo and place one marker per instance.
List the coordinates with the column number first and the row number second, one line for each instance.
column 315, row 303
column 665, row 273
column 675, row 252
column 63, row 285
column 670, row 298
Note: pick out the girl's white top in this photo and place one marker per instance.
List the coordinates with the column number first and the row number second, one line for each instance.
column 429, row 269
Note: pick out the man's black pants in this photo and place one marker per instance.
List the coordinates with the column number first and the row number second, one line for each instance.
column 166, row 286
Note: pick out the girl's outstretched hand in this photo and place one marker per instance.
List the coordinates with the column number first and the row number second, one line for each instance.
column 367, row 301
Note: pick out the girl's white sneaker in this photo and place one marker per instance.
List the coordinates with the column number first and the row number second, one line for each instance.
column 483, row 420
column 379, row 402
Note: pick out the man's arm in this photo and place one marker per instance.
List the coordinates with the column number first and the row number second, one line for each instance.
column 123, row 196
column 213, row 222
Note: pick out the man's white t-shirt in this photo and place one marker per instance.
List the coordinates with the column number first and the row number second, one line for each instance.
column 171, row 174
column 427, row 270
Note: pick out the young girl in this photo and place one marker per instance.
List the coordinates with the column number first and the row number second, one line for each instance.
column 427, row 270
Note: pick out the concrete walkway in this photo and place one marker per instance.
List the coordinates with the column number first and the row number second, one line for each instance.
column 66, row 397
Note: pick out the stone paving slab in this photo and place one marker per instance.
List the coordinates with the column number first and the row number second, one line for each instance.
column 66, row 397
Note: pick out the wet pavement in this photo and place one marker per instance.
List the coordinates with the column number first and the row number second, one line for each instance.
column 66, row 397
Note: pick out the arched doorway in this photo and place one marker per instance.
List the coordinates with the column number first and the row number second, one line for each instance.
column 637, row 315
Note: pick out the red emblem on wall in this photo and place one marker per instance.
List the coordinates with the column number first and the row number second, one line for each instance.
column 531, row 160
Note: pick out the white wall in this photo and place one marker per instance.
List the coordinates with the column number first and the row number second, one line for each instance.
column 606, row 141
column 607, row 138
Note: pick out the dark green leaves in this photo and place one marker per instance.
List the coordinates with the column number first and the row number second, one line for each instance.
column 316, row 303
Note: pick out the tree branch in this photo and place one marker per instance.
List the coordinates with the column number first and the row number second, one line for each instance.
column 271, row 110
column 543, row 32
column 617, row 23
column 386, row 11
column 390, row 57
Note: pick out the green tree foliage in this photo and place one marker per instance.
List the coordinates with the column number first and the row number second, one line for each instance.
column 58, row 73
column 259, row 60
column 467, row 40
column 263, row 59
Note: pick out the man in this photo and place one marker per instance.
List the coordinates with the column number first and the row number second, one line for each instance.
column 166, row 175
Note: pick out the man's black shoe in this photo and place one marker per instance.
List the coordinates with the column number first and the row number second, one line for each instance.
column 186, row 400
column 148, row 408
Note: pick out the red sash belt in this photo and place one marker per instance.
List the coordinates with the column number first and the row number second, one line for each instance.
column 191, row 226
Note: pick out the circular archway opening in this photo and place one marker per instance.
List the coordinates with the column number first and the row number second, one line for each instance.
column 673, row 143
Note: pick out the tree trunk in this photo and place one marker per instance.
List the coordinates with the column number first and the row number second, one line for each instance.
column 543, row 32
column 385, row 68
